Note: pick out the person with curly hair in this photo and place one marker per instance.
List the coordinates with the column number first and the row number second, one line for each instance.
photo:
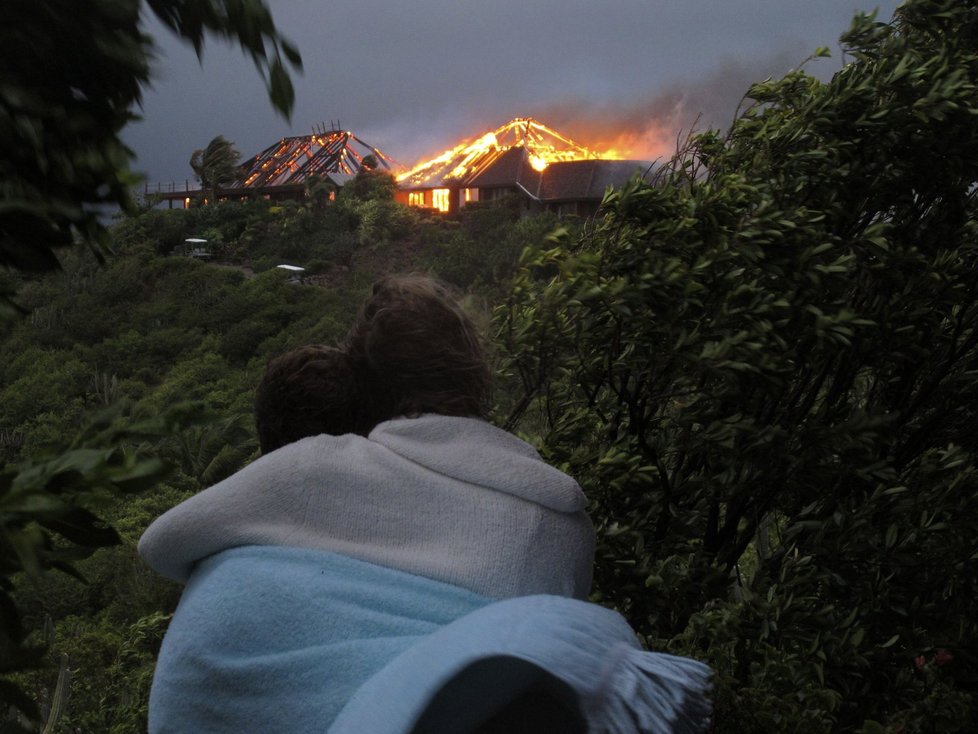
column 393, row 561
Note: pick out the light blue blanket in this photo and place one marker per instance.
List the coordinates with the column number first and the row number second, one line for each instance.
column 277, row 639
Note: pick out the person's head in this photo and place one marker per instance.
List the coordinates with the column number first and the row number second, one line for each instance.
column 415, row 350
column 305, row 392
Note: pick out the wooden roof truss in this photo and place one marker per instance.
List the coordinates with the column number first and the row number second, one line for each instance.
column 293, row 160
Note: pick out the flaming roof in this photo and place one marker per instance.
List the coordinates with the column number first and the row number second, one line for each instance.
column 336, row 154
column 463, row 164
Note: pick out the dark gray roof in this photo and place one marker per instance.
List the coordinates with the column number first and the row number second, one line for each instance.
column 510, row 167
column 561, row 181
column 576, row 180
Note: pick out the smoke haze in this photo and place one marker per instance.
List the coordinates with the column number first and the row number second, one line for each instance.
column 414, row 79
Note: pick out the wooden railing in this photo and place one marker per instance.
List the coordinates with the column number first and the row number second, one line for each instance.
column 174, row 187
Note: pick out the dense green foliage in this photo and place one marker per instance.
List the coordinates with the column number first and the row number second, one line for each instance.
column 764, row 371
column 147, row 334
column 72, row 74
column 155, row 353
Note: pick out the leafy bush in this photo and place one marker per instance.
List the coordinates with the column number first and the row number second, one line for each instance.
column 71, row 81
column 763, row 370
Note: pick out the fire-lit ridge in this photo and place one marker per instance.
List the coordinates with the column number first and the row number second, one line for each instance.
column 543, row 147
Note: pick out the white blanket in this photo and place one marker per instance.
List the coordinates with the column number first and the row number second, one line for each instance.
column 451, row 499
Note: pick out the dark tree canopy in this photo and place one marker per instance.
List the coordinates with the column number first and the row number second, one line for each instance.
column 764, row 370
column 73, row 72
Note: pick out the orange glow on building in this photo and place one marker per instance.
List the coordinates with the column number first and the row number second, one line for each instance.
column 440, row 199
column 544, row 146
column 514, row 157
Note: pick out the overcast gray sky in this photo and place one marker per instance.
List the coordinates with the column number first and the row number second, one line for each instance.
column 414, row 78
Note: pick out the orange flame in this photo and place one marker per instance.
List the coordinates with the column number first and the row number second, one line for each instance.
column 640, row 130
column 543, row 145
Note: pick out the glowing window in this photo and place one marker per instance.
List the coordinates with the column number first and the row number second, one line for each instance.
column 439, row 199
column 416, row 198
column 471, row 195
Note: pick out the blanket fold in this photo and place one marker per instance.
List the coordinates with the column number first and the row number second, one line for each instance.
column 280, row 640
column 572, row 650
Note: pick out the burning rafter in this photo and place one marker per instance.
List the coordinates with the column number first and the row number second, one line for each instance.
column 293, row 160
column 465, row 161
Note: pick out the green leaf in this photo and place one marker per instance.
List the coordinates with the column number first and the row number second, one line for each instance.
column 891, row 536
column 280, row 88
column 82, row 527
column 890, row 642
column 292, row 54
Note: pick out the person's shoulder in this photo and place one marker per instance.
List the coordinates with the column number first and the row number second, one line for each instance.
column 476, row 452
column 434, row 425
column 320, row 444
column 312, row 453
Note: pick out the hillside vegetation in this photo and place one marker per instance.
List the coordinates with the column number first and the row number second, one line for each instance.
column 764, row 371
column 163, row 352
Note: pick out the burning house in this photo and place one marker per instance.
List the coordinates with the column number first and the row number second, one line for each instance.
column 543, row 169
column 283, row 169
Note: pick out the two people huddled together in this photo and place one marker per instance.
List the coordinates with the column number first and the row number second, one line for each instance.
column 395, row 563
